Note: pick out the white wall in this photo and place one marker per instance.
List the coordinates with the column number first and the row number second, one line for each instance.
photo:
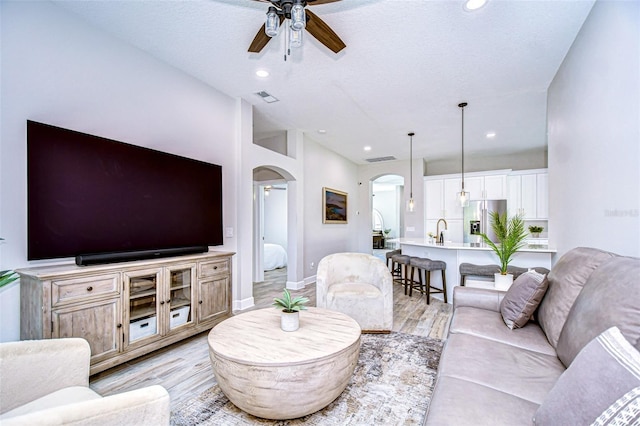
column 324, row 168
column 57, row 70
column 594, row 134
column 275, row 217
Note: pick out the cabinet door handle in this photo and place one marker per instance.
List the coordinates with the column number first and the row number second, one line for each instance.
column 169, row 301
column 119, row 325
column 215, row 267
column 200, row 302
column 89, row 288
column 162, row 302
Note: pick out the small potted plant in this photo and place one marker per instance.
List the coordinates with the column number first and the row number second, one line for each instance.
column 535, row 231
column 290, row 319
column 511, row 237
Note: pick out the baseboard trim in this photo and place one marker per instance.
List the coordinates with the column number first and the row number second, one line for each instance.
column 295, row 285
column 241, row 305
column 310, row 280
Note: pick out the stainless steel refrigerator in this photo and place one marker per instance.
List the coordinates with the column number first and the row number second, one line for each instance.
column 476, row 219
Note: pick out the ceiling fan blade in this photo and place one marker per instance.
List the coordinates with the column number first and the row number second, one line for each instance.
column 316, row 2
column 321, row 31
column 261, row 39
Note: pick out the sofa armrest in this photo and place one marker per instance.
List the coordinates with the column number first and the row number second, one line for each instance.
column 31, row 369
column 146, row 406
column 482, row 298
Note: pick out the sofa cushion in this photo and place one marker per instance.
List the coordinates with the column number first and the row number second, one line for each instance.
column 505, row 368
column 489, row 325
column 458, row 402
column 566, row 279
column 611, row 297
column 523, row 298
column 603, row 372
column 63, row 396
column 624, row 410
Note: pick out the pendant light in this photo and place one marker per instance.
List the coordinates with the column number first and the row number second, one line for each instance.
column 462, row 195
column 410, row 206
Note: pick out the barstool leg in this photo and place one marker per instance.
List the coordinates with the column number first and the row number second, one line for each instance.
column 411, row 282
column 444, row 286
column 427, row 274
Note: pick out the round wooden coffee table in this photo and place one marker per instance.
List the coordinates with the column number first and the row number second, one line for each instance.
column 280, row 375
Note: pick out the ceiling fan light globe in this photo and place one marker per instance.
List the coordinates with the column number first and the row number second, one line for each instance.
column 295, row 37
column 298, row 17
column 272, row 24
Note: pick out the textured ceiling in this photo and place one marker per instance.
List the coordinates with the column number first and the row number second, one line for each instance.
column 407, row 65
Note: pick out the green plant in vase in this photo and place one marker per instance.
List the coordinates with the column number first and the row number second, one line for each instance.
column 511, row 236
column 535, row 230
column 291, row 307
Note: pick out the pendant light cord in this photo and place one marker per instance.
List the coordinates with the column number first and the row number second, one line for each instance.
column 462, row 105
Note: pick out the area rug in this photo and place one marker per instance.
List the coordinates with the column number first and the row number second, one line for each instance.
column 391, row 384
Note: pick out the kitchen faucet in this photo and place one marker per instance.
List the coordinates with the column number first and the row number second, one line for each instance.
column 438, row 235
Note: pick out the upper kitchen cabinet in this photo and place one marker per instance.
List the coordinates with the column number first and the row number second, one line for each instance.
column 487, row 187
column 528, row 194
column 441, row 192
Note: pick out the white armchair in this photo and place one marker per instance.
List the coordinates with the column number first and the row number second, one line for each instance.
column 359, row 285
column 46, row 382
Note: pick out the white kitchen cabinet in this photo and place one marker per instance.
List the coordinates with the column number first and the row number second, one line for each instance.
column 528, row 195
column 441, row 197
column 452, row 207
column 495, row 187
column 434, row 201
column 488, row 187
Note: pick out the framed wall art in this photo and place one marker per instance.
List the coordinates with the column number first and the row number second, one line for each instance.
column 334, row 206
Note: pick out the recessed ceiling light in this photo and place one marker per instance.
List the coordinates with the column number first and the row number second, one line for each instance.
column 322, row 131
column 262, row 73
column 367, row 148
column 474, row 4
column 491, row 134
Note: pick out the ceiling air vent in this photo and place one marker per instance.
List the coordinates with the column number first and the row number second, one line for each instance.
column 379, row 159
column 267, row 97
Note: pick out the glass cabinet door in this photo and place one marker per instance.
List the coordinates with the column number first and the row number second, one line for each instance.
column 143, row 304
column 180, row 296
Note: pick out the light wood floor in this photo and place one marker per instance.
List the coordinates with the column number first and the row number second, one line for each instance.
column 184, row 368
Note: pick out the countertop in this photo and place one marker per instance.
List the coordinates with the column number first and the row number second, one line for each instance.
column 424, row 242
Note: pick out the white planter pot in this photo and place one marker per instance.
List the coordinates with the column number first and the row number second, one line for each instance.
column 290, row 321
column 503, row 282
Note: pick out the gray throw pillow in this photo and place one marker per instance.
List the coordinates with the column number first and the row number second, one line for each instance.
column 522, row 299
column 599, row 382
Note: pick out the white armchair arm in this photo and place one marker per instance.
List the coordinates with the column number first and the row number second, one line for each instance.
column 30, row 369
column 147, row 406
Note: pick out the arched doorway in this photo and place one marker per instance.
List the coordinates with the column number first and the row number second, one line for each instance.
column 271, row 230
column 386, row 202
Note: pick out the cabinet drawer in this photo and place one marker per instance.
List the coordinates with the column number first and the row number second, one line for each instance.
column 217, row 267
column 66, row 291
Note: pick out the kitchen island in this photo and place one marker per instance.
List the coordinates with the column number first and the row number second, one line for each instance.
column 453, row 254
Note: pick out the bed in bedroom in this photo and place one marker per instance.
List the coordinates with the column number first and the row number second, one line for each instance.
column 275, row 256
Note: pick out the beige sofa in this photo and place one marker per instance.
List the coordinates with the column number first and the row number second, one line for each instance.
column 46, row 382
column 359, row 285
column 490, row 374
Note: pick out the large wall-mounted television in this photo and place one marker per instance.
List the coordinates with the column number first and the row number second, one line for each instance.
column 91, row 196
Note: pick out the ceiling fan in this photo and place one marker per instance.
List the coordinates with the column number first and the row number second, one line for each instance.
column 301, row 18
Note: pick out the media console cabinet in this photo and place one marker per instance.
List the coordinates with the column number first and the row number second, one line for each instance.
column 125, row 310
